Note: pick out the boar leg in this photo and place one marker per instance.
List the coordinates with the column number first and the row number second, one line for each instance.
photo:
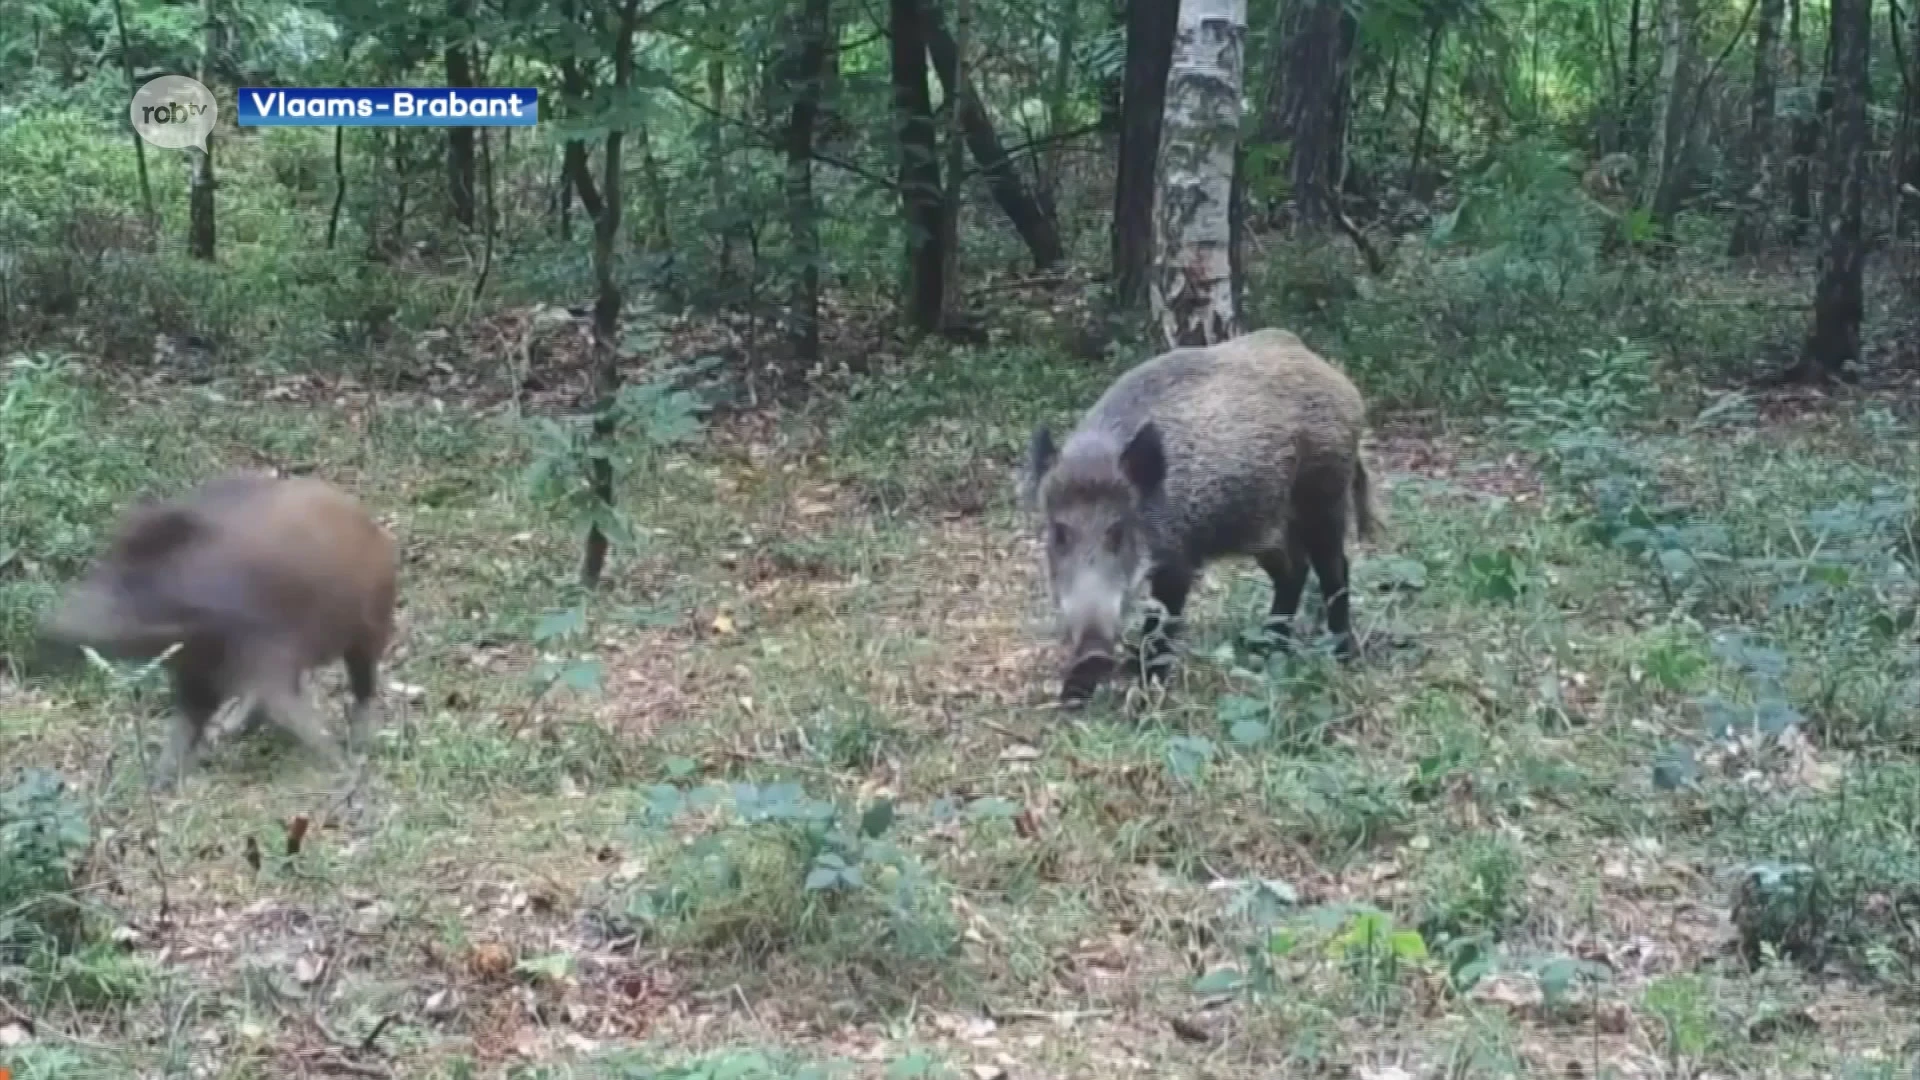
column 1327, row 546
column 363, row 678
column 289, row 709
column 196, row 697
column 1169, row 585
column 1288, row 571
column 273, row 679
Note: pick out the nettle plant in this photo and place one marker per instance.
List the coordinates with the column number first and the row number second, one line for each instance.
column 845, row 860
column 1359, row 941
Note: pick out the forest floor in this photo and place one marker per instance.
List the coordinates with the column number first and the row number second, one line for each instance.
column 529, row 883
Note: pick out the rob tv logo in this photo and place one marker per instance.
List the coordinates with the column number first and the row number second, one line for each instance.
column 173, row 112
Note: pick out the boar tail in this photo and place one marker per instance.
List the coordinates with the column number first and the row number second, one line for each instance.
column 1366, row 515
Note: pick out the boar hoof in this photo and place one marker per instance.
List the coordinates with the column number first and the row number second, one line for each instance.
column 1084, row 677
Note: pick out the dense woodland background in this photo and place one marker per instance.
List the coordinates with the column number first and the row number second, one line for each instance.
column 765, row 308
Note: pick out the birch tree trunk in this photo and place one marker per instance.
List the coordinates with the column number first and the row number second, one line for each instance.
column 1193, row 291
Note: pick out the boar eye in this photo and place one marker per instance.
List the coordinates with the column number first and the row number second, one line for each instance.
column 1060, row 535
column 1115, row 537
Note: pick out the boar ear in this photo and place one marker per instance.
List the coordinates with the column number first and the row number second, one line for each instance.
column 1144, row 461
column 1041, row 455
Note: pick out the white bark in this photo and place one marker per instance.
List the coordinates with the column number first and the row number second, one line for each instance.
column 1192, row 282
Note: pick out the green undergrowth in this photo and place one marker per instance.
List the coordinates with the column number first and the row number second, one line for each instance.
column 1630, row 656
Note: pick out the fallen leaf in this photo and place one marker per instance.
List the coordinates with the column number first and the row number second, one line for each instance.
column 490, row 960
column 723, row 623
column 308, row 969
column 12, row 1035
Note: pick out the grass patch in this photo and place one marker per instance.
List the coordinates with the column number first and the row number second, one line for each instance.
column 794, row 769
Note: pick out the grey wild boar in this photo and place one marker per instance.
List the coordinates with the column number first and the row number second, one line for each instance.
column 258, row 580
column 1248, row 447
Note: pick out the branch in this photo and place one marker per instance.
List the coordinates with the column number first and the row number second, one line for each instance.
column 1039, row 142
column 1700, row 92
column 1895, row 17
column 770, row 142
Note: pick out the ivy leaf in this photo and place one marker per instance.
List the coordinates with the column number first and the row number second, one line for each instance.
column 1223, row 980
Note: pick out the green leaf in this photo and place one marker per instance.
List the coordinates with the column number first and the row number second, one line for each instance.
column 1222, row 980
column 1188, row 756
column 878, row 818
column 582, row 675
column 1249, row 733
column 1408, row 945
column 991, row 807
column 553, row 967
column 560, row 624
column 1675, row 769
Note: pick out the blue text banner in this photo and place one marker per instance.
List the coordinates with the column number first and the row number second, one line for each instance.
column 389, row 106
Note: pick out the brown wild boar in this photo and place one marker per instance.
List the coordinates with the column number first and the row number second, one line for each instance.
column 1248, row 447
column 259, row 580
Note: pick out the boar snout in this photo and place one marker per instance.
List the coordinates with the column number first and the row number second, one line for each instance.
column 1091, row 612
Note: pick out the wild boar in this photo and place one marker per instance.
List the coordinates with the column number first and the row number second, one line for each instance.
column 1247, row 447
column 258, row 580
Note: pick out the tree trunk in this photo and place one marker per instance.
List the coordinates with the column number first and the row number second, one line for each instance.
column 339, row 183
column 658, row 237
column 1309, row 105
column 1667, row 159
column 576, row 177
column 1003, row 179
column 919, row 164
column 606, row 309
column 1059, row 87
column 1806, row 134
column 954, row 76
column 580, row 178
column 200, row 237
column 460, row 159
column 723, row 207
column 1391, row 96
column 139, row 144
column 1749, row 229
column 1907, row 148
column 803, row 217
column 402, row 176
column 1150, row 29
column 491, row 219
column 1633, row 53
column 1434, row 35
column 1193, row 293
column 1838, row 300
